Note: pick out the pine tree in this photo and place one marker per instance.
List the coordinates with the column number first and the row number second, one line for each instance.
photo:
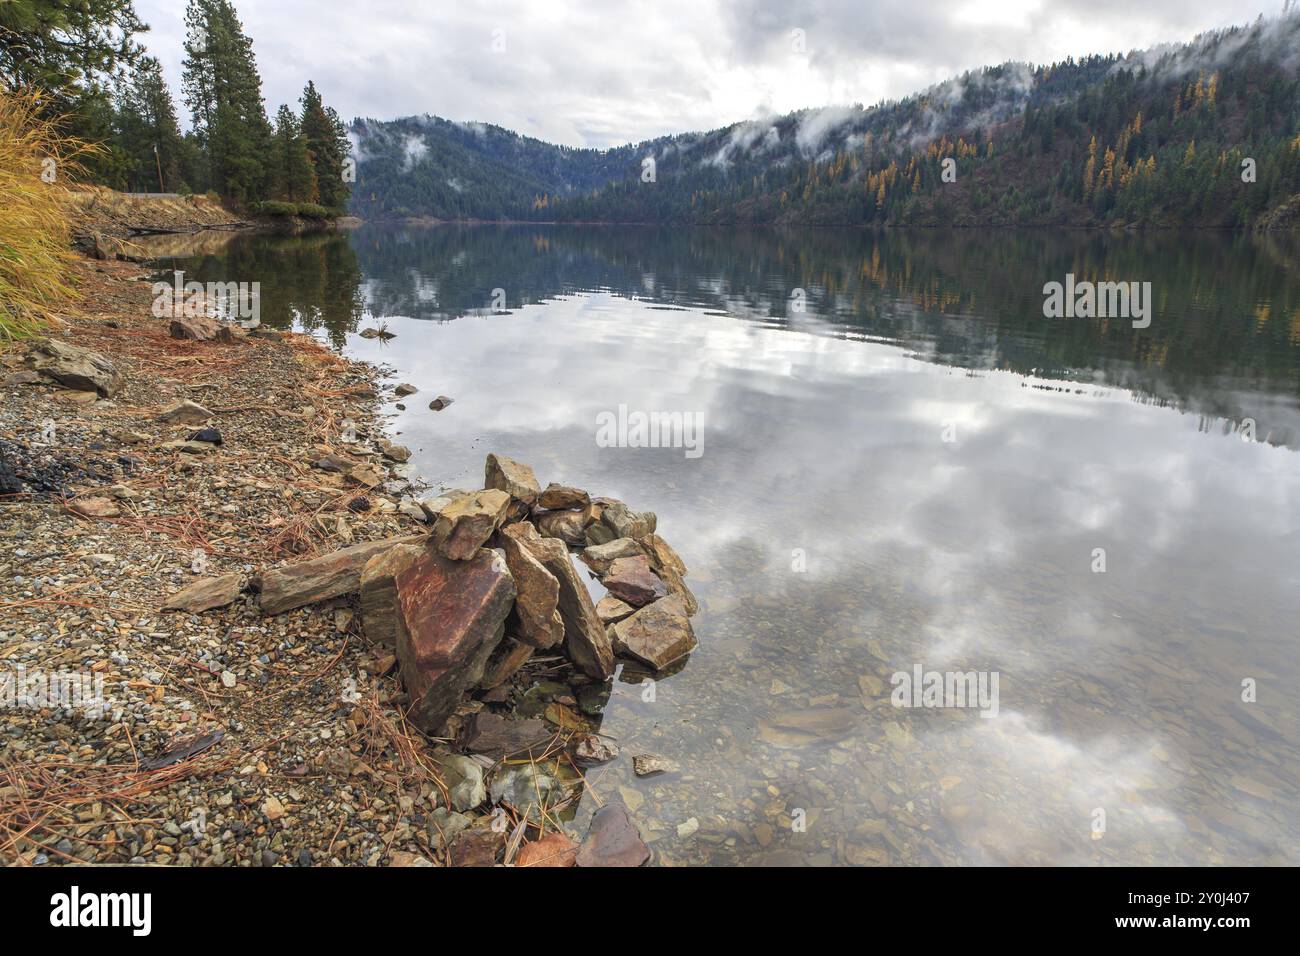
column 66, row 49
column 149, row 133
column 224, row 93
column 327, row 142
column 292, row 178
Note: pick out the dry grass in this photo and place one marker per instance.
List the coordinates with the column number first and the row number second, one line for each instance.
column 37, row 165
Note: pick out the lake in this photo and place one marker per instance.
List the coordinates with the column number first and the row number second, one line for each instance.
column 903, row 467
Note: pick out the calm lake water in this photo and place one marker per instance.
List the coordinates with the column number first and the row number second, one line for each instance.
column 903, row 464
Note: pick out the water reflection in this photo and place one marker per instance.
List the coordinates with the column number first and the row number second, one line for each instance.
column 836, row 537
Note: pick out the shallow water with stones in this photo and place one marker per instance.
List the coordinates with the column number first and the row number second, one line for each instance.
column 903, row 463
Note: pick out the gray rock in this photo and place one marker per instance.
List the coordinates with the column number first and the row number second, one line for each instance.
column 464, row 779
column 75, row 367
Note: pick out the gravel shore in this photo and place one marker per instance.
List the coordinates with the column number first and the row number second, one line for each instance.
column 226, row 737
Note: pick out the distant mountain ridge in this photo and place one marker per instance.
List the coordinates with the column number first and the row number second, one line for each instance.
column 1154, row 137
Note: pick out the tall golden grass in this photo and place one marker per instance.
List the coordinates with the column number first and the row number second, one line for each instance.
column 37, row 166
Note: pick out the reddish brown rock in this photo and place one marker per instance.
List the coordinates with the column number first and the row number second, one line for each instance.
column 566, row 525
column 319, row 579
column 451, row 616
column 477, row 846
column 562, row 497
column 658, row 634
column 554, row 849
column 536, row 616
column 632, row 581
column 496, row 736
column 465, row 525
column 513, row 477
column 613, row 840
column 206, row 594
column 185, row 413
column 585, row 640
column 204, row 328
column 378, row 588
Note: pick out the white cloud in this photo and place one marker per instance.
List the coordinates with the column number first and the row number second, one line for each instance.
column 625, row 70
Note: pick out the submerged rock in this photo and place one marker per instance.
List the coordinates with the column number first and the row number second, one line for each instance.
column 798, row 728
column 613, row 840
column 644, row 765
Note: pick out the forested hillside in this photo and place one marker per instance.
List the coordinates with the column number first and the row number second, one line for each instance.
column 1205, row 133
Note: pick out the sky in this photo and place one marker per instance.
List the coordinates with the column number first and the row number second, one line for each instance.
column 607, row 72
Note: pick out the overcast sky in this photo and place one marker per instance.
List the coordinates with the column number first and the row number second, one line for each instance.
column 607, row 72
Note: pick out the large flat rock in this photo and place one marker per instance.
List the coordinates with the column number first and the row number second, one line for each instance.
column 75, row 367
column 451, row 616
column 323, row 578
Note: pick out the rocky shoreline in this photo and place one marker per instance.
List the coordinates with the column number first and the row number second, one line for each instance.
column 303, row 656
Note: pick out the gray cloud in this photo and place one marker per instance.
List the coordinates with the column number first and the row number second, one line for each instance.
column 625, row 71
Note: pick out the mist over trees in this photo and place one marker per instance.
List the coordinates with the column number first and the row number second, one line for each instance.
column 1157, row 137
